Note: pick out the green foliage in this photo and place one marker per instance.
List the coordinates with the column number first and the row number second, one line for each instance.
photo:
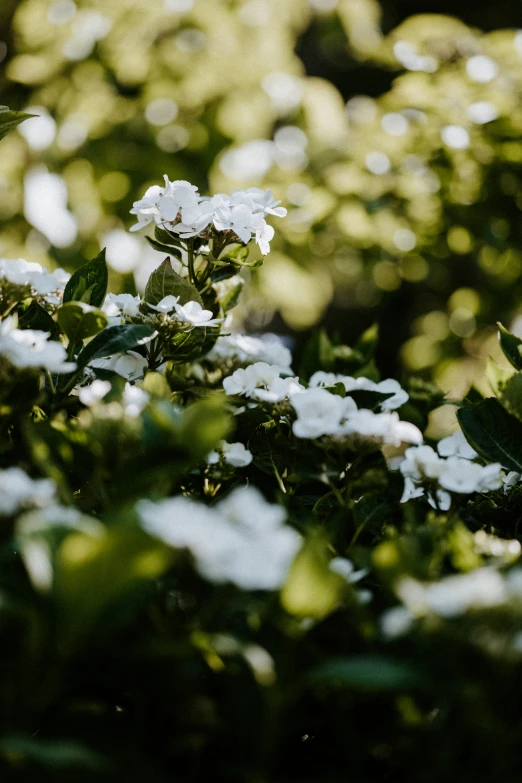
column 114, row 339
column 89, row 283
column 10, row 119
column 164, row 281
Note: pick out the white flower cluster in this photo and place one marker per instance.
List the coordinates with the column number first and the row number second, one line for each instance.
column 130, row 364
column 244, row 349
column 188, row 214
column 18, row 491
column 242, row 540
column 133, row 400
column 27, row 273
column 262, row 382
column 235, row 454
column 389, row 386
column 319, row 412
column 191, row 312
column 453, row 596
column 32, row 348
column 452, row 468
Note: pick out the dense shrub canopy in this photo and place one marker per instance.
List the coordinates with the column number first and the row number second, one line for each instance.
column 226, row 552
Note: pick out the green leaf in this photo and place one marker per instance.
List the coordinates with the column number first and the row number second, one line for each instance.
column 367, row 398
column 235, row 254
column 494, row 433
column 33, row 316
column 367, row 673
column 510, row 395
column 231, row 298
column 162, row 248
column 204, row 424
column 367, row 343
column 268, row 449
column 53, row 755
column 185, row 346
column 164, row 281
column 10, row 119
column 497, row 376
column 89, row 283
column 312, row 589
column 115, row 339
column 511, row 345
column 80, row 321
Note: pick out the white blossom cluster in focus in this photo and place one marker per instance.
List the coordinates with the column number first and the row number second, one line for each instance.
column 451, row 470
column 242, row 539
column 184, row 211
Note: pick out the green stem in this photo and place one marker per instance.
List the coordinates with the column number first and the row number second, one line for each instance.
column 190, row 251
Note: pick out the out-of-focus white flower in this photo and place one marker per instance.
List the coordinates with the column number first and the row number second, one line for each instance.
column 235, row 454
column 278, row 389
column 381, row 428
column 242, row 539
column 455, row 595
column 245, row 381
column 456, row 445
column 130, row 365
column 454, row 474
column 318, row 413
column 21, row 272
column 389, row 386
column 134, row 400
column 32, row 348
column 395, row 622
column 18, row 490
column 92, row 394
column 245, row 349
column 195, row 314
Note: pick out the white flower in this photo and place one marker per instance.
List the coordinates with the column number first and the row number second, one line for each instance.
column 245, row 348
column 146, row 209
column 385, row 428
column 318, row 413
column 18, row 490
column 395, row 622
column 126, row 304
column 421, row 462
column 264, row 199
column 177, row 196
column 32, row 348
column 245, row 381
column 166, row 305
column 236, row 454
column 278, row 389
column 456, row 445
column 242, row 539
column 455, row 595
column 134, row 399
column 388, row 386
column 196, row 315
column 463, row 476
column 130, row 365
column 21, row 272
column 91, row 395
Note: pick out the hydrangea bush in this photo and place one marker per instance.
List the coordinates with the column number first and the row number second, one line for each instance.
column 219, row 559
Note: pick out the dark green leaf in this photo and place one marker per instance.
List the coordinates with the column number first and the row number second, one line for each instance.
column 268, row 449
column 164, row 281
column 33, row 316
column 113, row 340
column 367, row 673
column 89, row 283
column 510, row 395
column 162, row 248
column 10, row 119
column 185, row 346
column 511, row 345
column 494, row 433
column 79, row 321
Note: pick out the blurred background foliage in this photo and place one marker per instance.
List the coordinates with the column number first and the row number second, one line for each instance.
column 392, row 131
